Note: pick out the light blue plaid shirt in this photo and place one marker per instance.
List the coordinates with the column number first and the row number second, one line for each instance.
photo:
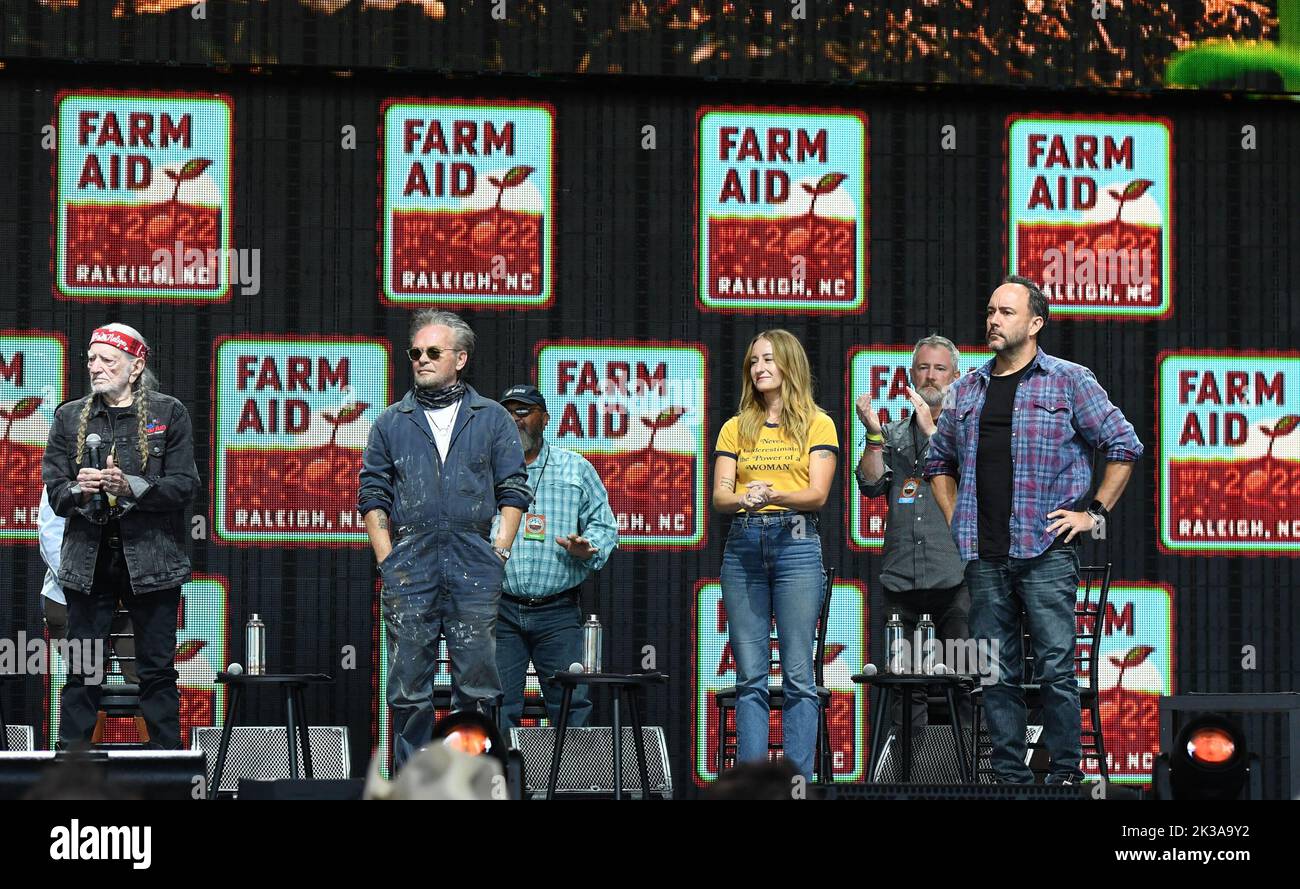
column 569, row 492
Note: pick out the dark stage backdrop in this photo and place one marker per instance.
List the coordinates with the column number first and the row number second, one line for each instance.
column 619, row 242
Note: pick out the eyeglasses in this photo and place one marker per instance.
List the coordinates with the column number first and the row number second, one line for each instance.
column 434, row 353
column 524, row 411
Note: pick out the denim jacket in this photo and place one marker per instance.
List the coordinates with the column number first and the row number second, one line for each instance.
column 153, row 517
column 403, row 474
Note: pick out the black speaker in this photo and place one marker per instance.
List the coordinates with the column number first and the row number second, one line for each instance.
column 588, row 766
column 110, row 775
column 260, row 753
column 20, row 737
column 953, row 791
column 301, row 790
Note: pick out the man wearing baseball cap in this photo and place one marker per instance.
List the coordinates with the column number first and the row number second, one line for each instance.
column 567, row 534
column 119, row 466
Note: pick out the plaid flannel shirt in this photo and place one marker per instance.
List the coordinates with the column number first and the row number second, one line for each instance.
column 1061, row 414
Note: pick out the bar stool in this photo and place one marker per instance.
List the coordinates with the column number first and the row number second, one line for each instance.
column 622, row 684
column 295, row 717
column 890, row 684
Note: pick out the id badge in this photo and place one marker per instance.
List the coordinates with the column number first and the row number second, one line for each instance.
column 534, row 526
column 910, row 487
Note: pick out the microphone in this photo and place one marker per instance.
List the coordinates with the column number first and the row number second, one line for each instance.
column 941, row 669
column 235, row 669
column 93, row 444
column 576, row 667
column 869, row 670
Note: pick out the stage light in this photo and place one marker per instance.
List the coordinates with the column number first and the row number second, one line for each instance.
column 471, row 732
column 1209, row 761
column 1211, row 745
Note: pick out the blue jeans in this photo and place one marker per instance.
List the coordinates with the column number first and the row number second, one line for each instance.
column 773, row 565
column 1046, row 587
column 550, row 636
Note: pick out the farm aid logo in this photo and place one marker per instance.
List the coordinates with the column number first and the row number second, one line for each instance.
column 31, row 386
column 1229, row 453
column 468, row 203
column 883, row 372
column 143, row 206
column 292, row 416
column 1135, row 668
column 1090, row 213
column 202, row 649
column 637, row 411
column 781, row 198
column 846, row 652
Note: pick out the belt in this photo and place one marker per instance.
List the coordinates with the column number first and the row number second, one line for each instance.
column 785, row 516
column 480, row 528
column 114, row 541
column 534, row 601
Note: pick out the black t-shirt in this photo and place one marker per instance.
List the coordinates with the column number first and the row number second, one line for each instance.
column 114, row 527
column 993, row 466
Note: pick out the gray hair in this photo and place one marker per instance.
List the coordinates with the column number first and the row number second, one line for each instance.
column 464, row 335
column 941, row 342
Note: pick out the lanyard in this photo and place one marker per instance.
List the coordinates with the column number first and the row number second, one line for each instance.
column 538, row 485
column 918, row 449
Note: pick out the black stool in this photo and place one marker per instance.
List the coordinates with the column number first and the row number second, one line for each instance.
column 295, row 717
column 890, row 684
column 629, row 684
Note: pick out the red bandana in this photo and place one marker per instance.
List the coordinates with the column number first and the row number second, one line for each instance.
column 128, row 344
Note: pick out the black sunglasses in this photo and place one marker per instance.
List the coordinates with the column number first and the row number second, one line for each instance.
column 524, row 411
column 434, row 353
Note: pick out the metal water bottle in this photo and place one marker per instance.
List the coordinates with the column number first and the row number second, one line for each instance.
column 895, row 646
column 924, row 644
column 593, row 634
column 255, row 646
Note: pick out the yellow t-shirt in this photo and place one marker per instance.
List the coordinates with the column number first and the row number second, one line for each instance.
column 774, row 458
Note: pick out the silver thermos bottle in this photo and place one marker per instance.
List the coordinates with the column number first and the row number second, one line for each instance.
column 593, row 635
column 925, row 654
column 895, row 646
column 255, row 646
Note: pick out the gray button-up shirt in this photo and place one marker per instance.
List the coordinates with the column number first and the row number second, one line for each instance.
column 920, row 553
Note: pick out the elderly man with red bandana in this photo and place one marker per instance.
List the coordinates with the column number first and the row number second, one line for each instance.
column 119, row 466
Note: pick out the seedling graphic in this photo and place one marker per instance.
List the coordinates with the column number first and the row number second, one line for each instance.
column 1130, row 192
column 23, row 409
column 663, row 420
column 825, row 185
column 515, row 177
column 1283, row 427
column 1134, row 657
column 349, row 414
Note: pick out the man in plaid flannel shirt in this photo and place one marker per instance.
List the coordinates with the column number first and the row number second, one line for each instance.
column 568, row 534
column 1011, row 467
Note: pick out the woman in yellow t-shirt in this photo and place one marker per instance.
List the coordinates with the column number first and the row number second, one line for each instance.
column 772, row 469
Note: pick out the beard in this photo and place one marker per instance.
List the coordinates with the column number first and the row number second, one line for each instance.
column 530, row 441
column 932, row 395
column 1006, row 341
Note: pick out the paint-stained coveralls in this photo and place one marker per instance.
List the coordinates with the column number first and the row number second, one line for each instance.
column 442, row 574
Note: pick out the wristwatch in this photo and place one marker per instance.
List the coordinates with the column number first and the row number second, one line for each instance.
column 503, row 552
column 1098, row 512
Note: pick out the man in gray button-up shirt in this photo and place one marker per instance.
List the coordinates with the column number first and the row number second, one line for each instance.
column 922, row 572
